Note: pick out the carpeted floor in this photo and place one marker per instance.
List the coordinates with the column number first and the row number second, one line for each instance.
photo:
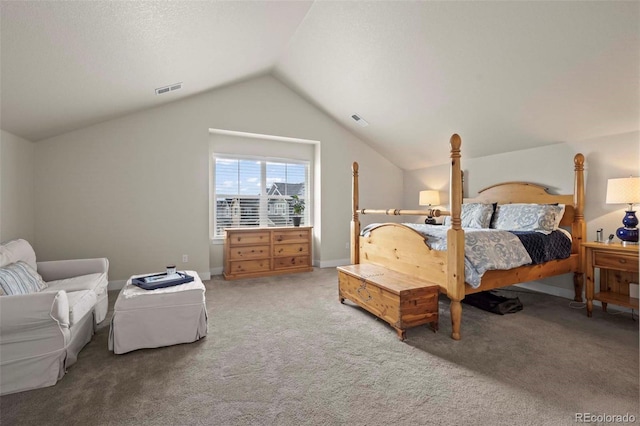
column 284, row 351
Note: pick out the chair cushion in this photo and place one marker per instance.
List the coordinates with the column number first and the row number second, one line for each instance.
column 97, row 282
column 17, row 250
column 80, row 303
column 20, row 278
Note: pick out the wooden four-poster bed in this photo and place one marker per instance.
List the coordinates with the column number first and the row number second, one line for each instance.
column 402, row 249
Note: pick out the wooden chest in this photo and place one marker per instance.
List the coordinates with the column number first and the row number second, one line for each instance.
column 401, row 300
column 258, row 252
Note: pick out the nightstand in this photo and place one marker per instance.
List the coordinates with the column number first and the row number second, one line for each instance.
column 618, row 266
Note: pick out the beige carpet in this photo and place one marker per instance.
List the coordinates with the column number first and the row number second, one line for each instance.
column 284, row 351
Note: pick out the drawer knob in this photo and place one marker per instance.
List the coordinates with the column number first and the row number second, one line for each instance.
column 623, row 260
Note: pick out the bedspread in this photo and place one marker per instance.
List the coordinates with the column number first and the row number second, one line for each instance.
column 485, row 249
column 545, row 247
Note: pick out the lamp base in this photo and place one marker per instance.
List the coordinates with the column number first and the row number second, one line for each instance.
column 430, row 221
column 628, row 233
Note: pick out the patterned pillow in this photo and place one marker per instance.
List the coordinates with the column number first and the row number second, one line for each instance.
column 559, row 216
column 528, row 217
column 20, row 278
column 474, row 215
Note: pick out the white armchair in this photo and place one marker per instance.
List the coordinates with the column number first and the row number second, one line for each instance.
column 42, row 332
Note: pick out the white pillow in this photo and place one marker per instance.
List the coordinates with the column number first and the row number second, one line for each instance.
column 473, row 215
column 5, row 259
column 543, row 218
column 18, row 250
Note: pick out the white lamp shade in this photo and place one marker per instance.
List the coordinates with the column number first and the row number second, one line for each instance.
column 623, row 190
column 429, row 198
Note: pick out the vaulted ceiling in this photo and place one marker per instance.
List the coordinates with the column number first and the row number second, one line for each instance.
column 505, row 75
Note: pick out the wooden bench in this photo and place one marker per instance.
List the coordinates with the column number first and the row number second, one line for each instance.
column 399, row 299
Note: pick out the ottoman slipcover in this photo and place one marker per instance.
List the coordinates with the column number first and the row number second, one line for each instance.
column 154, row 318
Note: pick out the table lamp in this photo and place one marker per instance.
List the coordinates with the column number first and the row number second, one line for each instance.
column 625, row 191
column 430, row 198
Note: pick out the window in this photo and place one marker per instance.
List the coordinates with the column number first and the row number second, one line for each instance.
column 252, row 192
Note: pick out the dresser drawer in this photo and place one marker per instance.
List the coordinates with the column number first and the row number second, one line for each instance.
column 245, row 238
column 296, row 236
column 248, row 266
column 622, row 262
column 291, row 262
column 290, row 249
column 248, row 252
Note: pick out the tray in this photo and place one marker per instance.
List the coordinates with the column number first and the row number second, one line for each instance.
column 152, row 282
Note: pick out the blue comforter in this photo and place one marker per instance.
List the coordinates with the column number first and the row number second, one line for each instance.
column 543, row 248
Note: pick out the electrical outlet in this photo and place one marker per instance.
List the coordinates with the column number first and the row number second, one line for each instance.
column 185, row 258
column 346, row 245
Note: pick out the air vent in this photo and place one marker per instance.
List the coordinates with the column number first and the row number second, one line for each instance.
column 170, row 88
column 361, row 121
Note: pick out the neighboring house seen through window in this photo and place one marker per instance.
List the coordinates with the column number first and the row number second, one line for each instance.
column 253, row 192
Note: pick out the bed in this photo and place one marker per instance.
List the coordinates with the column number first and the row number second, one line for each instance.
column 401, row 248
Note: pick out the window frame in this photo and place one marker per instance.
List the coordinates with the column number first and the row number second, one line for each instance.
column 263, row 197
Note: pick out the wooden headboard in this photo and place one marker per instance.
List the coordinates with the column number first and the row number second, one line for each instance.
column 525, row 192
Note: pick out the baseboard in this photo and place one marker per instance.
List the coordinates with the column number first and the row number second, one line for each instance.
column 565, row 293
column 118, row 284
column 333, row 263
column 216, row 271
column 548, row 289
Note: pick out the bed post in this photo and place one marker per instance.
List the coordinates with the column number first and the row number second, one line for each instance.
column 355, row 221
column 579, row 227
column 455, row 241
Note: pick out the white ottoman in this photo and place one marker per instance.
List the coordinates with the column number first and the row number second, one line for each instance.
column 154, row 318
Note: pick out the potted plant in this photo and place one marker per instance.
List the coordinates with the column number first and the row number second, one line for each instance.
column 298, row 209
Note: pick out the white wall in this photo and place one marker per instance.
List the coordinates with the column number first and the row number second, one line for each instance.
column 135, row 189
column 16, row 187
column 552, row 166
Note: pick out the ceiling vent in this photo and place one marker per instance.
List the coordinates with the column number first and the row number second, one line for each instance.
column 170, row 88
column 361, row 121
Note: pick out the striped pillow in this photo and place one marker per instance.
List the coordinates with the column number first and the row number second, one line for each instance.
column 20, row 278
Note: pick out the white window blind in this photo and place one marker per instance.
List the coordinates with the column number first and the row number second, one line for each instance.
column 253, row 192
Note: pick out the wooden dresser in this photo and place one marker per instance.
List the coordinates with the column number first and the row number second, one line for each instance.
column 259, row 252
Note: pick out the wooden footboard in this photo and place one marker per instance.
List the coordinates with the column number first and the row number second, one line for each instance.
column 403, row 249
column 400, row 248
